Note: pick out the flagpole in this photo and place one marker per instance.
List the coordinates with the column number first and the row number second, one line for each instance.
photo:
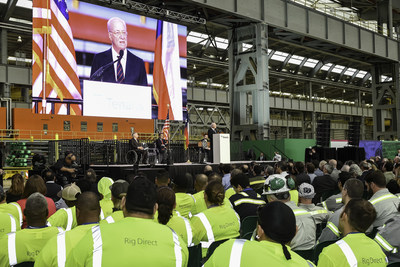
column 187, row 147
column 168, row 146
column 45, row 67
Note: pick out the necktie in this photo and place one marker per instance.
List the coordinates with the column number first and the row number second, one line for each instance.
column 120, row 72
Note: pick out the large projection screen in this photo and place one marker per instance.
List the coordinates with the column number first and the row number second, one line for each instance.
column 54, row 91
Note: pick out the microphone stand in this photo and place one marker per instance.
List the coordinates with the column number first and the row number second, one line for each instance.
column 100, row 71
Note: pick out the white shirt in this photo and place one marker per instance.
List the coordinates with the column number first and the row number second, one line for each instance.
column 115, row 56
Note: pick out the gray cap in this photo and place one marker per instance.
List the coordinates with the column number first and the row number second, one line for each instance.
column 306, row 191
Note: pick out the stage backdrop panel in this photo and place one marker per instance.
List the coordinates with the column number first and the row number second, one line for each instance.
column 372, row 148
column 389, row 149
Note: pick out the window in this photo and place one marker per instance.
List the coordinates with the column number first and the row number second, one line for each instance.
column 45, row 126
column 67, row 126
column 99, row 126
column 83, row 126
column 115, row 127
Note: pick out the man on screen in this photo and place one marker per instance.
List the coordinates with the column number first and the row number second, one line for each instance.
column 130, row 68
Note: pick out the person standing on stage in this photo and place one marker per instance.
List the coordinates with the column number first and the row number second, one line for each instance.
column 205, row 148
column 210, row 133
column 139, row 149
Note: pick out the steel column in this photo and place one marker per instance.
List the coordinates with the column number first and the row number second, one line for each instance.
column 250, row 95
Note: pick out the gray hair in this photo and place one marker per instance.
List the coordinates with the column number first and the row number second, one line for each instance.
column 322, row 164
column 355, row 170
column 345, row 168
column 110, row 21
column 36, row 204
column 269, row 170
column 333, row 163
column 328, row 168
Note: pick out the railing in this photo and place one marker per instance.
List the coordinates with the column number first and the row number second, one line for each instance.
column 348, row 16
column 32, row 135
column 46, row 135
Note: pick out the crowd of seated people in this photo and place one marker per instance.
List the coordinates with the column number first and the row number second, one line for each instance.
column 324, row 213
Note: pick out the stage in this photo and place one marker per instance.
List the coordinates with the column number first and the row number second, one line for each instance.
column 121, row 171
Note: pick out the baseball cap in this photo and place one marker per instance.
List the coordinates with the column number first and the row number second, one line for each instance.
column 306, row 190
column 278, row 221
column 276, row 184
column 119, row 188
column 70, row 192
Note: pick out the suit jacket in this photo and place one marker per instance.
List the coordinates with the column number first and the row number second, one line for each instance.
column 134, row 144
column 210, row 136
column 135, row 73
column 159, row 144
column 323, row 184
column 52, row 190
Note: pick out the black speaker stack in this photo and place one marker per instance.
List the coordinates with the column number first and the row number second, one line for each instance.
column 323, row 133
column 354, row 133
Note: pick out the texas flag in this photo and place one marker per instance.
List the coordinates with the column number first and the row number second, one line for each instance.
column 167, row 88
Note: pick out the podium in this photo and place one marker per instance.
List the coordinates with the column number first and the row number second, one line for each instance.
column 221, row 148
column 105, row 99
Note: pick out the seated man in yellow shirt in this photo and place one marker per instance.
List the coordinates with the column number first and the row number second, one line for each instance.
column 25, row 245
column 355, row 248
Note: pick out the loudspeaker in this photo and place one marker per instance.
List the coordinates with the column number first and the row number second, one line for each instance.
column 354, row 133
column 323, row 133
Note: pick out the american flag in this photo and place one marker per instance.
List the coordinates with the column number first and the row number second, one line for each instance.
column 165, row 128
column 54, row 65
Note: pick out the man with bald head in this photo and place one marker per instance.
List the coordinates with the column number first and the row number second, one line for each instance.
column 56, row 251
column 129, row 69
